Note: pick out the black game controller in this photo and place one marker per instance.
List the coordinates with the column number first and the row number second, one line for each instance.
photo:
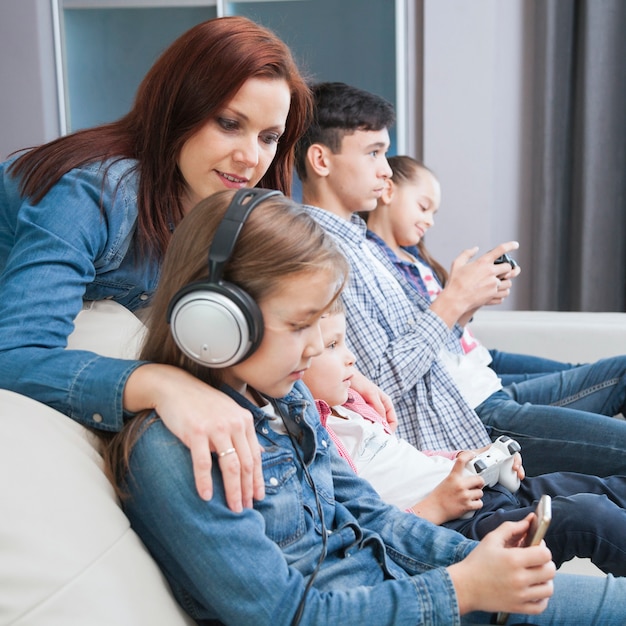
column 505, row 258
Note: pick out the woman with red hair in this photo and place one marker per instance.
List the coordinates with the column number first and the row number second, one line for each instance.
column 89, row 216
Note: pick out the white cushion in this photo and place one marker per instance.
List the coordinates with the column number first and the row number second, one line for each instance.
column 107, row 328
column 564, row 336
column 67, row 552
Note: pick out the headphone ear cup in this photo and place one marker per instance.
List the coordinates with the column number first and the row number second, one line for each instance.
column 215, row 324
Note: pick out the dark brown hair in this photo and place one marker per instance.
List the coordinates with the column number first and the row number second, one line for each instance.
column 406, row 170
column 190, row 82
column 340, row 110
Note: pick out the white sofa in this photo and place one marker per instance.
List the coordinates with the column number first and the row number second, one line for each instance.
column 67, row 553
column 569, row 337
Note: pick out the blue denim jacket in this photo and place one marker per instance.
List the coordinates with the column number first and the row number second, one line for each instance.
column 383, row 566
column 54, row 255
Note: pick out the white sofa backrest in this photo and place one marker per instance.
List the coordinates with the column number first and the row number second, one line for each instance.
column 563, row 336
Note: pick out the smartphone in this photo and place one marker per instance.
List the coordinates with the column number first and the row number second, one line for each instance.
column 539, row 525
column 536, row 532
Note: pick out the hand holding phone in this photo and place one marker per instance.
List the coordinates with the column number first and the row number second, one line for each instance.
column 539, row 525
column 536, row 532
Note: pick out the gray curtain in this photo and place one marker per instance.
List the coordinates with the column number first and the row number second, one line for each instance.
column 578, row 182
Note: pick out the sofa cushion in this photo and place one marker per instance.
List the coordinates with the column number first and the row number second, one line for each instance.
column 572, row 337
column 107, row 328
column 68, row 554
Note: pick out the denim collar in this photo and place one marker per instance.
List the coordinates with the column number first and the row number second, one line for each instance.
column 294, row 409
column 295, row 399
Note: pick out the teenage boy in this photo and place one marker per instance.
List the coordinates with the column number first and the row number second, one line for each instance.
column 398, row 337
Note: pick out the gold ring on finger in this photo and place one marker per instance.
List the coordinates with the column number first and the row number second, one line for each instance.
column 226, row 452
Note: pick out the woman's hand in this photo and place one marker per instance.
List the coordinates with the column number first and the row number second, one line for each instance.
column 501, row 576
column 376, row 398
column 205, row 420
column 454, row 496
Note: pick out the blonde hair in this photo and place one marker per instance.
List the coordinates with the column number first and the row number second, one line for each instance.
column 279, row 239
column 337, row 307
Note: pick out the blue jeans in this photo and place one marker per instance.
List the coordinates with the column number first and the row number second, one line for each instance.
column 563, row 421
column 577, row 601
column 516, row 368
column 588, row 516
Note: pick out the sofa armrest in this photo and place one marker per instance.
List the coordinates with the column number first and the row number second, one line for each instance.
column 69, row 555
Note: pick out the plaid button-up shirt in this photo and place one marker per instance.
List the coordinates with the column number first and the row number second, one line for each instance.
column 408, row 270
column 397, row 340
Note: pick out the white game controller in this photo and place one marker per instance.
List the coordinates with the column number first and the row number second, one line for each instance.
column 495, row 465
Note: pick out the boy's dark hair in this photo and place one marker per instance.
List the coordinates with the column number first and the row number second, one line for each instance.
column 339, row 110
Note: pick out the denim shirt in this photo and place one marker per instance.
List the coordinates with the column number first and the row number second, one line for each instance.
column 54, row 255
column 382, row 566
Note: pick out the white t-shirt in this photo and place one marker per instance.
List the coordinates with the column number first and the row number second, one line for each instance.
column 472, row 374
column 401, row 474
column 470, row 371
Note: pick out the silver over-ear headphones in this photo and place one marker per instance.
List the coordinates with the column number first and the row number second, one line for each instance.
column 214, row 322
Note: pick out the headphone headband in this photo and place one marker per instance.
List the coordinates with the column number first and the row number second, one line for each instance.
column 227, row 233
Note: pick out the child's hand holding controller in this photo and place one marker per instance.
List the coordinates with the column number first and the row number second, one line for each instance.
column 498, row 463
column 459, row 494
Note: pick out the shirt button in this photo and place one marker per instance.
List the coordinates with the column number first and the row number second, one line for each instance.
column 297, row 420
column 264, row 430
column 273, row 481
column 97, row 418
column 324, row 443
column 144, row 296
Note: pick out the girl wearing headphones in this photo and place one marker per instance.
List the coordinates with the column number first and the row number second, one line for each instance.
column 89, row 216
column 321, row 547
